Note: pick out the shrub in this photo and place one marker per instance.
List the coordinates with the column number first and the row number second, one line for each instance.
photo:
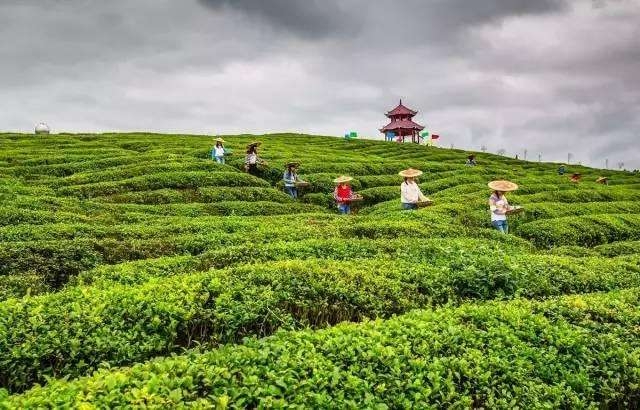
column 176, row 180
column 618, row 248
column 217, row 194
column 121, row 324
column 581, row 230
column 558, row 353
column 15, row 286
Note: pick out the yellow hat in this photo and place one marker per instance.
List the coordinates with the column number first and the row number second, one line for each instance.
column 410, row 173
column 220, row 140
column 502, row 186
column 342, row 179
column 600, row 179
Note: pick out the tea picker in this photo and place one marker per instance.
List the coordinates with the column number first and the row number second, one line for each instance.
column 344, row 195
column 218, row 151
column 575, row 178
column 562, row 169
column 471, row 161
column 291, row 180
column 252, row 160
column 411, row 196
column 499, row 206
column 602, row 180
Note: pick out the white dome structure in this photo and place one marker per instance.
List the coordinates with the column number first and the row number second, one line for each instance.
column 42, row 128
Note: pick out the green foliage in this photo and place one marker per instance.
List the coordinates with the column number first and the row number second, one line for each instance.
column 13, row 286
column 171, row 196
column 562, row 353
column 118, row 248
column 582, row 230
column 179, row 180
column 111, row 322
column 618, row 248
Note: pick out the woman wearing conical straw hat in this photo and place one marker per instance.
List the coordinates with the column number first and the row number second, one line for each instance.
column 343, row 194
column 217, row 153
column 603, row 180
column 410, row 193
column 251, row 160
column 576, row 177
column 290, row 178
column 499, row 205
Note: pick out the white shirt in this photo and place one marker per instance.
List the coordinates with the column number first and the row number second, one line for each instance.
column 252, row 158
column 498, row 208
column 218, row 151
column 409, row 193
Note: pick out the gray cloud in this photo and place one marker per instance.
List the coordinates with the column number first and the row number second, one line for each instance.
column 308, row 19
column 549, row 76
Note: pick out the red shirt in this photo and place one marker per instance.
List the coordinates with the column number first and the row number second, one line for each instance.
column 342, row 193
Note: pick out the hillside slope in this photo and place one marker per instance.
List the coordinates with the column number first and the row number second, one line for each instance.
column 116, row 249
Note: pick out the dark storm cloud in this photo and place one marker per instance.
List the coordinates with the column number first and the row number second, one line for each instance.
column 322, row 18
column 549, row 76
column 309, row 18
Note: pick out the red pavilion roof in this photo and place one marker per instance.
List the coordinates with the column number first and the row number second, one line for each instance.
column 401, row 110
column 403, row 124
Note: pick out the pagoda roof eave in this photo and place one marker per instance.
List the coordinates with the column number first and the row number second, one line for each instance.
column 402, row 125
column 401, row 110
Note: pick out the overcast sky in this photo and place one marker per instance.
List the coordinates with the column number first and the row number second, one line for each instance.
column 549, row 76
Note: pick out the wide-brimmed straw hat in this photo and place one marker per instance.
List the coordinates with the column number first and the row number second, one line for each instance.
column 502, row 186
column 293, row 164
column 342, row 179
column 254, row 144
column 576, row 174
column 410, row 173
column 220, row 140
column 600, row 179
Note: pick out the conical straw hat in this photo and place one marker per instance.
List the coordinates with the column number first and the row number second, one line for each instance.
column 600, row 179
column 342, row 179
column 410, row 173
column 502, row 186
column 220, row 140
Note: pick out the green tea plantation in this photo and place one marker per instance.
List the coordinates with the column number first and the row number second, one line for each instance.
column 137, row 272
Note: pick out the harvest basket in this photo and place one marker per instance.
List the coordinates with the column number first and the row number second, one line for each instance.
column 515, row 210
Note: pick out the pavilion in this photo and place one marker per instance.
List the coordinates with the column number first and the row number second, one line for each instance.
column 402, row 125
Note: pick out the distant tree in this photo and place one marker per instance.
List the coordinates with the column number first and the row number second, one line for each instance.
column 483, row 148
column 502, row 151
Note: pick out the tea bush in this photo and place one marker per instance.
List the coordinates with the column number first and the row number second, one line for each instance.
column 559, row 353
column 179, row 180
column 111, row 323
column 119, row 249
column 217, row 194
column 582, row 230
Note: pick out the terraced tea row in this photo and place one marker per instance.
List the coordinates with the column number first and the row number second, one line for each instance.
column 70, row 332
column 115, row 249
column 565, row 352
